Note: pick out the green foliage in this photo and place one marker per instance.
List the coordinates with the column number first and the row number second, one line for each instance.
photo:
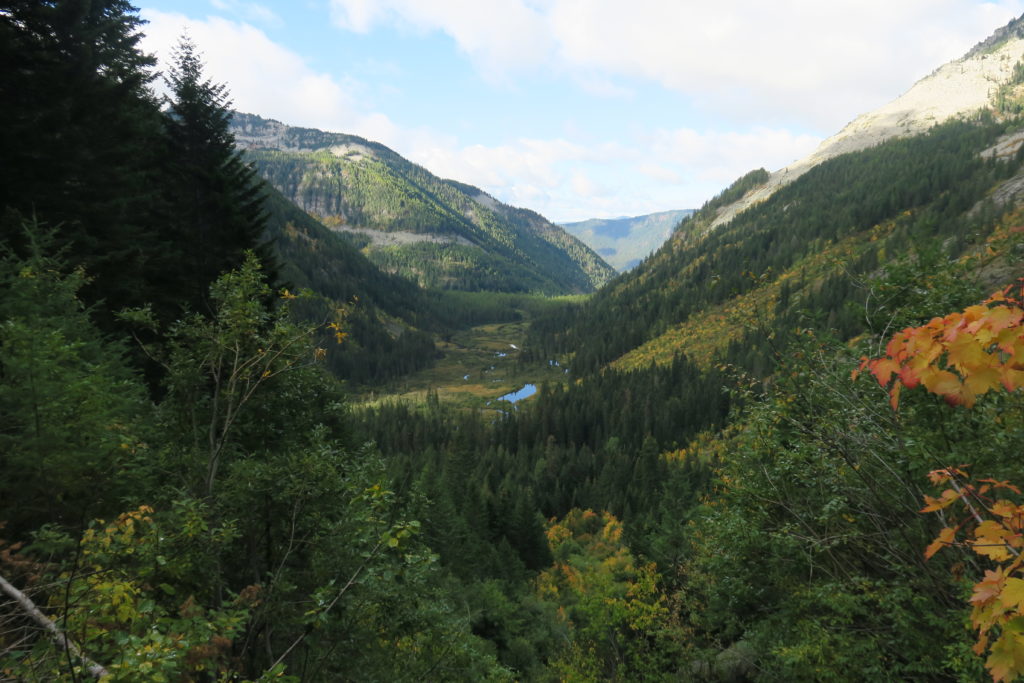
column 123, row 602
column 618, row 624
column 71, row 406
column 265, row 536
column 217, row 370
column 377, row 303
column 568, row 446
column 268, row 504
column 810, row 549
column 81, row 139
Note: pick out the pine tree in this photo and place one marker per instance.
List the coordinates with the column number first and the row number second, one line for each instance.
column 217, row 199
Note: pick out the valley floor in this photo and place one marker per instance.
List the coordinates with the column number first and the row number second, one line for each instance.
column 477, row 366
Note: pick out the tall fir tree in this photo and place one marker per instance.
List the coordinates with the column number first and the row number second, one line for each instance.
column 217, row 199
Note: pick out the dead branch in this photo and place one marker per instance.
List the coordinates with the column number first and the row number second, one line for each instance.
column 59, row 637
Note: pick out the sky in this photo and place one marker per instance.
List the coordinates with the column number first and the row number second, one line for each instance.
column 576, row 108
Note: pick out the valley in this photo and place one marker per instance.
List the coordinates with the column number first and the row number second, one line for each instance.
column 280, row 404
column 474, row 368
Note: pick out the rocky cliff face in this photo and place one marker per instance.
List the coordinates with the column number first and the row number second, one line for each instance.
column 959, row 88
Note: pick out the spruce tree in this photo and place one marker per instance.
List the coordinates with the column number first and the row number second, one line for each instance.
column 217, row 199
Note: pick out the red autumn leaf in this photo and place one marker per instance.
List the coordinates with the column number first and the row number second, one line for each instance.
column 1011, row 379
column 909, row 377
column 883, row 370
column 894, row 395
column 1004, row 317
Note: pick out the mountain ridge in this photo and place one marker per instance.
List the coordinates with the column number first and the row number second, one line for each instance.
column 955, row 89
column 439, row 232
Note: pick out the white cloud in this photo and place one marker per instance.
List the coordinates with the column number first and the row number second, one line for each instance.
column 659, row 173
column 724, row 156
column 799, row 61
column 498, row 35
column 586, row 187
column 559, row 177
column 564, row 180
column 803, row 60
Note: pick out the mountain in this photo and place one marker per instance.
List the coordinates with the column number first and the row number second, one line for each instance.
column 937, row 169
column 706, row 487
column 440, row 233
column 624, row 242
column 989, row 74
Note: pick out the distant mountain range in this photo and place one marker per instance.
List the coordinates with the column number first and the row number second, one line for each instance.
column 439, row 233
column 624, row 242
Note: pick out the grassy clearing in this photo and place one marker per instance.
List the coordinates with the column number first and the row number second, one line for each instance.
column 477, row 365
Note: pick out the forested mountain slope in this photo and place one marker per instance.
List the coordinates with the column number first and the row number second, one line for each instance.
column 809, row 244
column 440, row 233
column 390, row 321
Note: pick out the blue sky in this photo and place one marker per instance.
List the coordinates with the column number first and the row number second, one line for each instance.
column 577, row 108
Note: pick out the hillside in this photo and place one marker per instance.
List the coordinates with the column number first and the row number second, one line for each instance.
column 811, row 244
column 624, row 242
column 440, row 233
column 917, row 171
column 391, row 321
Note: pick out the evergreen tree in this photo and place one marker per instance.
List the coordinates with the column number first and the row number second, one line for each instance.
column 79, row 131
column 216, row 199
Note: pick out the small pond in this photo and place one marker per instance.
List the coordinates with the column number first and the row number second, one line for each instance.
column 525, row 392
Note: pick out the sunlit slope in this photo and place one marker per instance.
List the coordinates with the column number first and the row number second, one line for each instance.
column 989, row 75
